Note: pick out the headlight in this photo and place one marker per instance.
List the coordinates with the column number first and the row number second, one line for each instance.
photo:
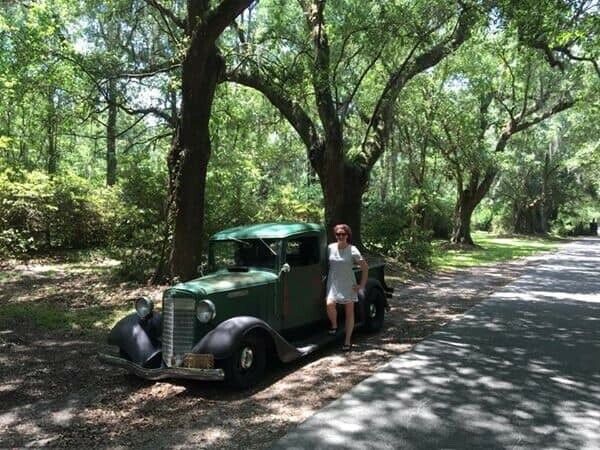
column 206, row 311
column 144, row 307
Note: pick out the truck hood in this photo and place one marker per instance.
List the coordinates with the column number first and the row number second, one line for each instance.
column 224, row 281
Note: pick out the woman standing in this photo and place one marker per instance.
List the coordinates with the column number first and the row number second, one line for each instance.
column 341, row 282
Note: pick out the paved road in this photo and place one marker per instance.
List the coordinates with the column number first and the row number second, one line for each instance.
column 520, row 370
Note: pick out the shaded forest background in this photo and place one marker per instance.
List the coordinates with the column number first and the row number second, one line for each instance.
column 144, row 126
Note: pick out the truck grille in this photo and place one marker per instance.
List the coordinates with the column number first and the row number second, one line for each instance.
column 179, row 316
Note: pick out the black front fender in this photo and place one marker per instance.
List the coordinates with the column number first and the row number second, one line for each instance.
column 139, row 339
column 222, row 341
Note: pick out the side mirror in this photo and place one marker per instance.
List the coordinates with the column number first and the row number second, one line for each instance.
column 285, row 269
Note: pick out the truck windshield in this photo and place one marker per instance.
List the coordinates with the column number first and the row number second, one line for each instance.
column 241, row 254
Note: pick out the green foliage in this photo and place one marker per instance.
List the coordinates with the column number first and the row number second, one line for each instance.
column 24, row 211
column 414, row 247
column 387, row 229
column 57, row 57
column 68, row 212
column 39, row 212
column 383, row 224
column 289, row 202
column 483, row 216
column 137, row 237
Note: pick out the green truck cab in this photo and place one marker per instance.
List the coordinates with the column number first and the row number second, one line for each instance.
column 261, row 299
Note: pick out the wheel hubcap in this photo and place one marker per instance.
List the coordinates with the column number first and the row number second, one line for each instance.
column 246, row 358
column 372, row 311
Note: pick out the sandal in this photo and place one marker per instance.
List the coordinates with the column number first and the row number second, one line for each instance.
column 346, row 347
column 332, row 331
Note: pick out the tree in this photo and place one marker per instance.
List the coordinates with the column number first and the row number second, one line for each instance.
column 39, row 89
column 125, row 56
column 553, row 182
column 488, row 110
column 201, row 69
column 342, row 156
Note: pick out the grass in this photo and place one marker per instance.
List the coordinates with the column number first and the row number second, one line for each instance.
column 53, row 318
column 491, row 249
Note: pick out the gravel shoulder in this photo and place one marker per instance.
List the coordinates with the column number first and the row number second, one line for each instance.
column 54, row 392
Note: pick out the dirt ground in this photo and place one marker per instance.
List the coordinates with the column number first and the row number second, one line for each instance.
column 54, row 392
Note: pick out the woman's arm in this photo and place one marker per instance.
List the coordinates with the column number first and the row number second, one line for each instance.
column 364, row 273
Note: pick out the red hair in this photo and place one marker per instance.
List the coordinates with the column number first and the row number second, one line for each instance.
column 346, row 228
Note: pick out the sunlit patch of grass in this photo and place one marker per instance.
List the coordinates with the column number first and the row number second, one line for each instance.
column 492, row 249
column 54, row 318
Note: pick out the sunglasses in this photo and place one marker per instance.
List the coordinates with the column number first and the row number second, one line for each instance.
column 340, row 234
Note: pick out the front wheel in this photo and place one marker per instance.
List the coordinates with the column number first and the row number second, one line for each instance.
column 375, row 311
column 246, row 366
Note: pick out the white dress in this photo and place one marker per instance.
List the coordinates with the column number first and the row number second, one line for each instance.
column 341, row 277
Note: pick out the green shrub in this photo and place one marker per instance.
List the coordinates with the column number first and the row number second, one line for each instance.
column 414, row 247
column 64, row 212
column 383, row 224
column 84, row 215
column 289, row 202
column 387, row 229
column 438, row 218
column 25, row 211
column 138, row 231
column 16, row 243
column 483, row 216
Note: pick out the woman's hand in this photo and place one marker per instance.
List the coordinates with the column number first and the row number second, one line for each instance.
column 358, row 287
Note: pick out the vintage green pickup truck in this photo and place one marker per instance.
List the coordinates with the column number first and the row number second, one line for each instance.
column 261, row 299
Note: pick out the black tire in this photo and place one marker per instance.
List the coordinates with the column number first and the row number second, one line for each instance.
column 374, row 310
column 123, row 355
column 246, row 366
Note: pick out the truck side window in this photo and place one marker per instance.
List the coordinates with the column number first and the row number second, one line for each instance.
column 303, row 251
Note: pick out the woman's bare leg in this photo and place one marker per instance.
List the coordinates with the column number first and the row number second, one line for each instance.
column 349, row 309
column 332, row 314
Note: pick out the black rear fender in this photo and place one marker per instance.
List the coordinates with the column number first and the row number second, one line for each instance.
column 362, row 297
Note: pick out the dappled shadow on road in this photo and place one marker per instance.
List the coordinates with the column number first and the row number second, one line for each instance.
column 520, row 370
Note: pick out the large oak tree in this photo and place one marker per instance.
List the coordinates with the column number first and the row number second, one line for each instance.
column 201, row 69
column 319, row 88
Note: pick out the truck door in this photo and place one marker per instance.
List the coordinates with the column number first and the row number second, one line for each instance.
column 303, row 286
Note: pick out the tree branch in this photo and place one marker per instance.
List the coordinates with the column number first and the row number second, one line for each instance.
column 290, row 109
column 220, row 18
column 167, row 13
column 520, row 124
column 149, row 72
column 408, row 70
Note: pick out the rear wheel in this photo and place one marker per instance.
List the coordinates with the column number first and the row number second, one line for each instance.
column 375, row 310
column 246, row 366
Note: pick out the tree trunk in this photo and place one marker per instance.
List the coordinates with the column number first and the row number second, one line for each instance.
column 23, row 147
column 461, row 232
column 189, row 158
column 111, row 135
column 355, row 185
column 51, row 132
column 331, row 176
column 201, row 69
column 467, row 201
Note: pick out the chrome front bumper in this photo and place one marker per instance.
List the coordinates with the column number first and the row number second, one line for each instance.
column 162, row 372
